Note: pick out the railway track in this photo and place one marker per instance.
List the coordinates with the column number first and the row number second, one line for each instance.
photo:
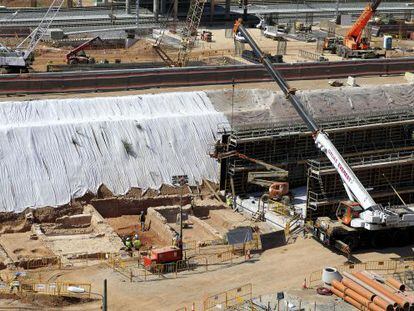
column 116, row 80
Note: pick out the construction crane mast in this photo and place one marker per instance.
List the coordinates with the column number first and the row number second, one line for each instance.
column 22, row 57
column 359, row 217
column 188, row 36
column 189, row 33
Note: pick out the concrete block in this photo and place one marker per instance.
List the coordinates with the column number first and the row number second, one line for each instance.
column 409, row 77
column 80, row 220
column 56, row 34
column 351, row 81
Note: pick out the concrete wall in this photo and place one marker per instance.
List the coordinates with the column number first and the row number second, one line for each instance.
column 158, row 224
column 114, row 207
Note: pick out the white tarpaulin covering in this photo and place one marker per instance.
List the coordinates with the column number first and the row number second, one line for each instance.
column 53, row 150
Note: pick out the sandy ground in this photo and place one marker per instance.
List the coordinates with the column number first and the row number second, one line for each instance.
column 275, row 270
column 195, row 232
column 19, row 246
column 142, row 51
column 224, row 219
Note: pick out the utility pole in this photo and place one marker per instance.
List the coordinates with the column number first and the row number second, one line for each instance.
column 180, row 180
column 137, row 12
column 245, row 3
column 175, row 11
column 105, row 297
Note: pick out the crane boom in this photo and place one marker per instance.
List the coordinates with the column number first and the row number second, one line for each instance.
column 353, row 37
column 38, row 33
column 354, row 188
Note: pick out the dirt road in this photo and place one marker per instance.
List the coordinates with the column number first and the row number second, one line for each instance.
column 277, row 269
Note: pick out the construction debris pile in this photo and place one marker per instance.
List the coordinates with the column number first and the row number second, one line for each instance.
column 368, row 291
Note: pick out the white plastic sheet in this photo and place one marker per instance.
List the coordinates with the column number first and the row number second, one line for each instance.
column 54, row 150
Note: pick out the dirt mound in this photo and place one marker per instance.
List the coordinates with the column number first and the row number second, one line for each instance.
column 49, row 214
column 104, row 192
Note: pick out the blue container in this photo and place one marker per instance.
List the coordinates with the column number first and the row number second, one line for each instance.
column 387, row 42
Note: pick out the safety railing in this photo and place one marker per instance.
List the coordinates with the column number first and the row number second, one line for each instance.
column 228, row 299
column 54, row 288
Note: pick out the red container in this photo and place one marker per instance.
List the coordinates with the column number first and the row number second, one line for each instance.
column 163, row 255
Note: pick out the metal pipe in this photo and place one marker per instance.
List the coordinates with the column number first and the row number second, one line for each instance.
column 105, row 297
column 374, row 284
column 396, row 284
column 347, row 298
column 379, row 294
column 367, row 294
column 359, row 289
column 367, row 303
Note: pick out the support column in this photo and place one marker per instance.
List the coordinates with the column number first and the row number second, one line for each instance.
column 163, row 6
column 212, row 10
column 70, row 3
column 128, row 6
column 227, row 9
column 175, row 10
column 155, row 9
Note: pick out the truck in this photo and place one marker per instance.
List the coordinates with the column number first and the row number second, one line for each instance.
column 359, row 219
column 354, row 45
column 274, row 32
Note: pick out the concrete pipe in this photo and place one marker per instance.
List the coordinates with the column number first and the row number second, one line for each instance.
column 374, row 284
column 396, row 284
column 329, row 274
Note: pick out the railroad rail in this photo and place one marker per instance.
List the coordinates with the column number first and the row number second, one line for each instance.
column 115, row 80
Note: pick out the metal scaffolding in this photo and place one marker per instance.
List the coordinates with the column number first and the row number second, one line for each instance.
column 383, row 174
column 291, row 146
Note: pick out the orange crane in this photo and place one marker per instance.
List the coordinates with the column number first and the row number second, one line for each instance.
column 354, row 45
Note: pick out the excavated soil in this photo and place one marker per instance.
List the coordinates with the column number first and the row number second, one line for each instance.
column 19, row 246
column 129, row 225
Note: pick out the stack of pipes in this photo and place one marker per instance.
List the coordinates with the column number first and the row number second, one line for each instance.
column 368, row 291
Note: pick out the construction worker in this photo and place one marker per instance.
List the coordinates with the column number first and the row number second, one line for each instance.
column 175, row 239
column 15, row 283
column 142, row 219
column 128, row 243
column 137, row 244
column 229, row 201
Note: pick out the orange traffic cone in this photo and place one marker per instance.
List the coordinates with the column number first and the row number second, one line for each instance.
column 304, row 286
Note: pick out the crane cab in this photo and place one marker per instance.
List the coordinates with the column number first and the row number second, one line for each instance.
column 348, row 210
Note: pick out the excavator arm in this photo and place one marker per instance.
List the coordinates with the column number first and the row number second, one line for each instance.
column 82, row 47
